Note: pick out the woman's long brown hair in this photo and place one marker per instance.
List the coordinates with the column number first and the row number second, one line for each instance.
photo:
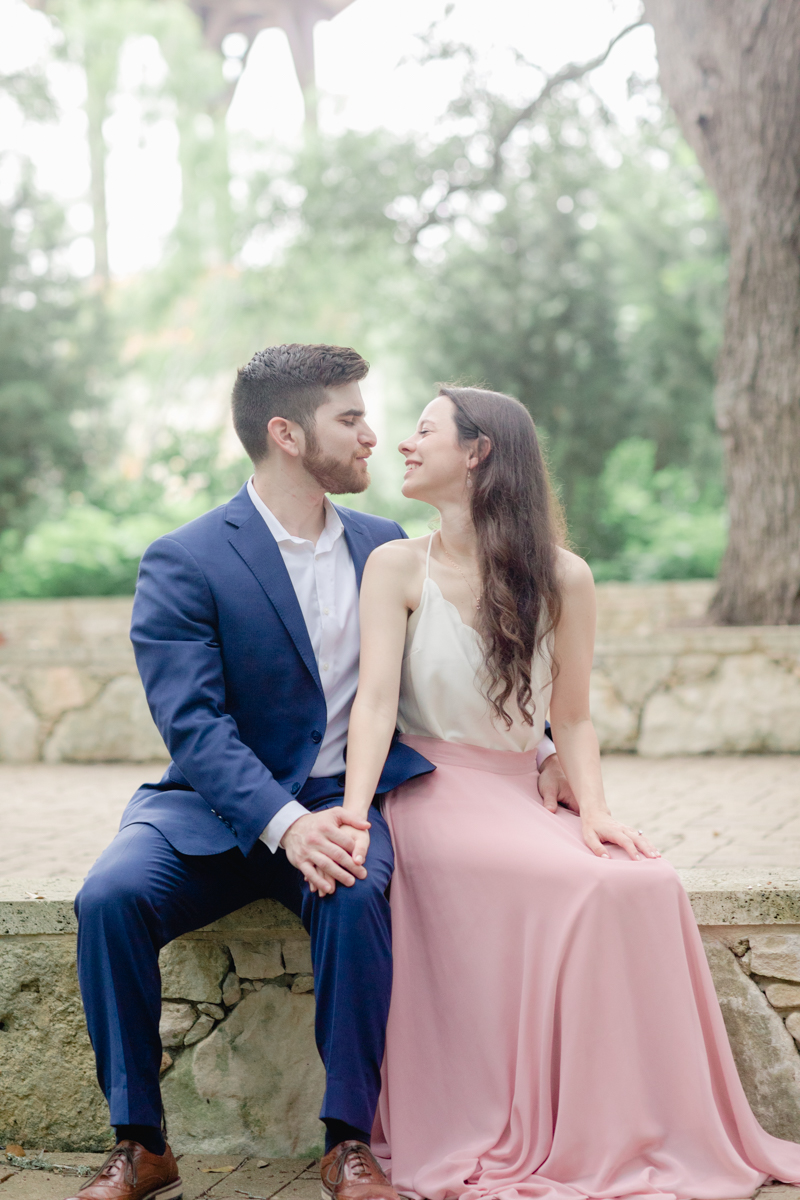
column 519, row 525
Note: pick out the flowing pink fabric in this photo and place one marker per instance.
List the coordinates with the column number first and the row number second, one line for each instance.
column 554, row 1030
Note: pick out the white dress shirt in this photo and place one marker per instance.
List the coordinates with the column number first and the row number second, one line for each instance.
column 324, row 580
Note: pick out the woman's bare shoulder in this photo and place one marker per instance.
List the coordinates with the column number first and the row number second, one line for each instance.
column 399, row 556
column 574, row 573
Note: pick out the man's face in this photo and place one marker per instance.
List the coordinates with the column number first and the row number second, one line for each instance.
column 340, row 442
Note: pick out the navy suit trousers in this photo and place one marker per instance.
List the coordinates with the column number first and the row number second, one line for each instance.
column 141, row 893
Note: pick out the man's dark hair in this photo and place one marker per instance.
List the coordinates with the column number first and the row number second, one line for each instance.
column 289, row 382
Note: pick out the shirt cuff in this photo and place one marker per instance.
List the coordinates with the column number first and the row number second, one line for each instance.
column 543, row 752
column 283, row 818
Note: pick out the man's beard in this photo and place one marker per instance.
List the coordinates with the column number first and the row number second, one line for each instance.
column 333, row 475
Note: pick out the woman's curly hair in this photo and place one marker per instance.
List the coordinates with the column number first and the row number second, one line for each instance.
column 519, row 525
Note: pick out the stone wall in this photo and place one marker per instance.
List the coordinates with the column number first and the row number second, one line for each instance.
column 662, row 684
column 699, row 691
column 240, row 1072
column 69, row 689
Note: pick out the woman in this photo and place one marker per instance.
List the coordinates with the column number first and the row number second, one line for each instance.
column 554, row 1031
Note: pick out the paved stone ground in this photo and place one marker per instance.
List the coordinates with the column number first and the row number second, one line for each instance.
column 700, row 811
column 217, row 1177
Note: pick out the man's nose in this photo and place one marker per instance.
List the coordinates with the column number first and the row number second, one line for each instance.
column 368, row 437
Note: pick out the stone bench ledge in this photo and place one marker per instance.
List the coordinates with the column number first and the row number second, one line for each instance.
column 23, row 913
column 240, row 1072
column 718, row 895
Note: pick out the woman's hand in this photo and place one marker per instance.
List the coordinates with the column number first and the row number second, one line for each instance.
column 602, row 827
column 360, row 846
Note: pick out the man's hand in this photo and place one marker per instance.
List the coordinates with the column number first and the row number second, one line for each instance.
column 553, row 786
column 322, row 845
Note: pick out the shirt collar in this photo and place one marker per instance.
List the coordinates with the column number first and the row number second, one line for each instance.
column 333, row 523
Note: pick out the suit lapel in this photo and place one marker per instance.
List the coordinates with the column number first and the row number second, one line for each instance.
column 358, row 541
column 253, row 542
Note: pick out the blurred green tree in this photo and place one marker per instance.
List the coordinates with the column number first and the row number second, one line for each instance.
column 51, row 342
column 543, row 252
column 660, row 525
column 594, row 294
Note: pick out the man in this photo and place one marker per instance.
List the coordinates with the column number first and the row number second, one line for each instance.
column 245, row 627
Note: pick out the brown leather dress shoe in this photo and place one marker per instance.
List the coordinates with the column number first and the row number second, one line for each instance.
column 349, row 1172
column 132, row 1173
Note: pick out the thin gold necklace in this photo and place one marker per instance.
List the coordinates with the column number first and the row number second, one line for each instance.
column 477, row 599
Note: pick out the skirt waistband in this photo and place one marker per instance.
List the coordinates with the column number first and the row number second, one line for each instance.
column 478, row 758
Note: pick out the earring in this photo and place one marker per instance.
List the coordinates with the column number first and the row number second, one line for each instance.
column 469, row 478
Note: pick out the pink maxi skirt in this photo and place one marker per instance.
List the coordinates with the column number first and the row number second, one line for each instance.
column 554, row 1030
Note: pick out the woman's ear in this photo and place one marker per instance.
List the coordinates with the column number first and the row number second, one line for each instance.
column 481, row 452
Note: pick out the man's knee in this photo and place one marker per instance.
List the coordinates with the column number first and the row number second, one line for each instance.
column 364, row 896
column 125, row 876
column 106, row 890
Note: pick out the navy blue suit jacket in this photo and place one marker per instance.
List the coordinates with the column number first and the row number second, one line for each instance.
column 231, row 678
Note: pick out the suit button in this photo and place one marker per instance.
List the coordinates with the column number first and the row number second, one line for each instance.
column 340, row 781
column 316, row 736
column 295, row 788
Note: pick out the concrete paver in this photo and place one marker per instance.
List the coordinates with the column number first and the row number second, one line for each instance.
column 39, row 1185
column 57, row 818
column 699, row 811
column 711, row 811
column 258, row 1179
column 300, row 1181
column 203, row 1173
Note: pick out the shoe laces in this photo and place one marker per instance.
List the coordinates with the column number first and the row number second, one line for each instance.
column 363, row 1160
column 119, row 1160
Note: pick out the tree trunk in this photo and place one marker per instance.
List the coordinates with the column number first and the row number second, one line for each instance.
column 96, row 112
column 731, row 70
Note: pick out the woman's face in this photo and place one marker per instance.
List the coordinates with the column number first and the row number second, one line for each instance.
column 436, row 465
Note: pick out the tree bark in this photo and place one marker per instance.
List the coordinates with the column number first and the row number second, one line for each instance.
column 731, row 71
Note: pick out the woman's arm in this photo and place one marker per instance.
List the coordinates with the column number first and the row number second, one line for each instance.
column 384, row 616
column 571, row 723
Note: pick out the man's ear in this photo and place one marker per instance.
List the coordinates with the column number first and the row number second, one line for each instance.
column 286, row 435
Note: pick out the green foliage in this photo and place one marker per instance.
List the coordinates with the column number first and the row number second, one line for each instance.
column 664, row 528
column 579, row 268
column 586, row 297
column 88, row 552
column 46, row 328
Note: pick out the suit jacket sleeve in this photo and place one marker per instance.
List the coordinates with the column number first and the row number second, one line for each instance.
column 176, row 642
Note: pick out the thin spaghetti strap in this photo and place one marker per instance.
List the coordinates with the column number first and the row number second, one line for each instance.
column 428, row 558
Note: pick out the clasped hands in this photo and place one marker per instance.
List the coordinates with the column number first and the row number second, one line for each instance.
column 328, row 847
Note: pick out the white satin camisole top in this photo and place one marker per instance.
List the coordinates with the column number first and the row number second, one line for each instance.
column 441, row 686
